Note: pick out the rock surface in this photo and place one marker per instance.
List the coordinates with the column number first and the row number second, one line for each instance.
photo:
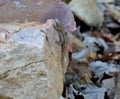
column 37, row 10
column 30, row 63
column 87, row 11
column 62, row 11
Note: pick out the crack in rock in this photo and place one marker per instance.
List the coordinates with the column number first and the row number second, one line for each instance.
column 4, row 75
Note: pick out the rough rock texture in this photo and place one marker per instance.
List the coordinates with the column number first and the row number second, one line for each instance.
column 62, row 11
column 24, row 10
column 30, row 63
column 37, row 10
column 87, row 11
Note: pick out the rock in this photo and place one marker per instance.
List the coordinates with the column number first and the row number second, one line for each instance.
column 87, row 11
column 62, row 11
column 10, row 27
column 37, row 10
column 31, row 63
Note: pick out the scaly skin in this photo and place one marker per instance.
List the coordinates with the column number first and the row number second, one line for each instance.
column 63, row 43
column 62, row 40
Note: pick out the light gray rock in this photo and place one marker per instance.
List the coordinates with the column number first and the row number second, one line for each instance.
column 30, row 64
column 87, row 11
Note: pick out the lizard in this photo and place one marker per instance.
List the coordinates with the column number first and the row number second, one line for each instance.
column 63, row 42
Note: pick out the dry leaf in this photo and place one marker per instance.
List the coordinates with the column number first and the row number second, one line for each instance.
column 81, row 68
column 109, row 57
column 77, row 44
column 92, row 56
column 104, row 36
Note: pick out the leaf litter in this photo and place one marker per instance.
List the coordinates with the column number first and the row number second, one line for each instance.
column 94, row 69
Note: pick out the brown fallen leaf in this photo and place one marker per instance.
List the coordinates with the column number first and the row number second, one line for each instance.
column 109, row 57
column 92, row 56
column 70, row 69
column 116, row 74
column 117, row 37
column 81, row 68
column 76, row 43
column 104, row 36
column 84, row 79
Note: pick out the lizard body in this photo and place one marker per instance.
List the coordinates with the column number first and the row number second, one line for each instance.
column 63, row 42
